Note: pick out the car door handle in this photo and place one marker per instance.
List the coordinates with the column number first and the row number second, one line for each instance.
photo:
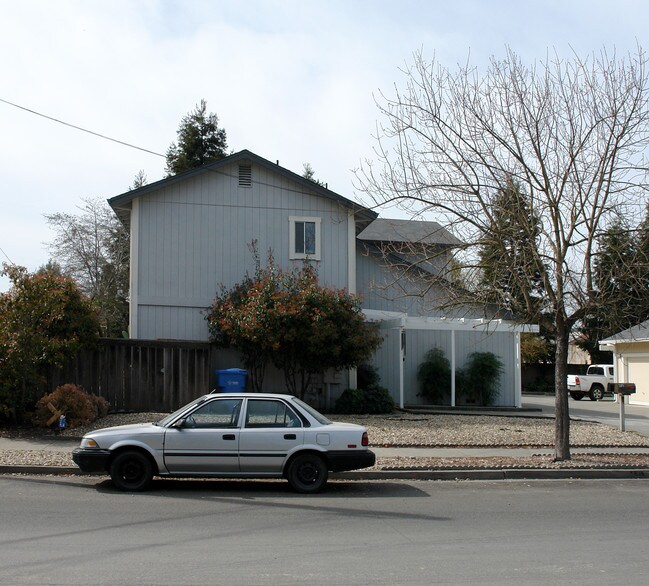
column 229, row 436
column 290, row 436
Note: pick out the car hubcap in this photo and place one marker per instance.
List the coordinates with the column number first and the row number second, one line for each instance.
column 131, row 472
column 308, row 473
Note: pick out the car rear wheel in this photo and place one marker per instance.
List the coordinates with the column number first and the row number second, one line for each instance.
column 577, row 396
column 596, row 393
column 131, row 471
column 307, row 473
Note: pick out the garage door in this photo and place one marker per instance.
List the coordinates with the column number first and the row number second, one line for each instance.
column 639, row 374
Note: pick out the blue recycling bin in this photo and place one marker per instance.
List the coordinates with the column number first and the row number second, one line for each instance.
column 231, row 380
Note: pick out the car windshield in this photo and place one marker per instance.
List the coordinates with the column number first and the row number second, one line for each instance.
column 319, row 417
column 169, row 418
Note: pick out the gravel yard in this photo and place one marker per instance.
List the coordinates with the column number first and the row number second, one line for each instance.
column 403, row 429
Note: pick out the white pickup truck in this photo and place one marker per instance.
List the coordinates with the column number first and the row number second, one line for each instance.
column 597, row 381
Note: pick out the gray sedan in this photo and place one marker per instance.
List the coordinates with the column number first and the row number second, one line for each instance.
column 229, row 435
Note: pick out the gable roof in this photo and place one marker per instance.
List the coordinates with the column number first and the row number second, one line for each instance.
column 639, row 333
column 408, row 231
column 121, row 204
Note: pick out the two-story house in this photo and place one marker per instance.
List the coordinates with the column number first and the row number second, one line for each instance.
column 193, row 232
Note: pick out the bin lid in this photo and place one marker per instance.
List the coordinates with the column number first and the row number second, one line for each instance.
column 232, row 371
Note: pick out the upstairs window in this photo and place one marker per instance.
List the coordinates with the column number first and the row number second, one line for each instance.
column 304, row 238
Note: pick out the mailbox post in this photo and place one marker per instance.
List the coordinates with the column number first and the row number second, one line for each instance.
column 622, row 390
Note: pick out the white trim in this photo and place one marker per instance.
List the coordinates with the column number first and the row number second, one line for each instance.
column 518, row 382
column 402, row 360
column 394, row 319
column 133, row 272
column 453, row 368
column 351, row 252
column 291, row 238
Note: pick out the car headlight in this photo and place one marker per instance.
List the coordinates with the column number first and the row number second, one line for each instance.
column 88, row 442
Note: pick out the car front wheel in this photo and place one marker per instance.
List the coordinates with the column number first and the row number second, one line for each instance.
column 131, row 471
column 307, row 473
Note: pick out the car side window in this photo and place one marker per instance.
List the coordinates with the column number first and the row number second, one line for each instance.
column 270, row 413
column 218, row 413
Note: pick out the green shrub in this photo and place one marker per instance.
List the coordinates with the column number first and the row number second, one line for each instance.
column 367, row 375
column 373, row 400
column 78, row 406
column 434, row 376
column 351, row 401
column 369, row 398
column 478, row 381
column 378, row 400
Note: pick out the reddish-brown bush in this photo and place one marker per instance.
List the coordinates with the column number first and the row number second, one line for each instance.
column 78, row 406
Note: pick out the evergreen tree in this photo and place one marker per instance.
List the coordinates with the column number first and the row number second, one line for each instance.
column 309, row 173
column 507, row 259
column 621, row 283
column 200, row 140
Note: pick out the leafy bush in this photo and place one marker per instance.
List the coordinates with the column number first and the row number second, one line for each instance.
column 369, row 398
column 44, row 321
column 434, row 376
column 478, row 381
column 290, row 319
column 378, row 400
column 351, row 401
column 367, row 376
column 78, row 406
column 373, row 400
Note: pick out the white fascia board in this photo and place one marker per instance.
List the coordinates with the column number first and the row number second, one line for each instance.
column 610, row 345
column 397, row 319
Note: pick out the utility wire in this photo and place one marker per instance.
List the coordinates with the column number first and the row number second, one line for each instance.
column 6, row 255
column 82, row 129
column 216, row 171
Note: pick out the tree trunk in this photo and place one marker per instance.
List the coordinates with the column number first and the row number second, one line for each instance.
column 562, row 411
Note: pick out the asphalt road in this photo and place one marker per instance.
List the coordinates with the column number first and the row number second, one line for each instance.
column 80, row 531
column 606, row 411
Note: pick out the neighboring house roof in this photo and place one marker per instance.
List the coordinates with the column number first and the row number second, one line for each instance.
column 122, row 203
column 408, row 231
column 639, row 333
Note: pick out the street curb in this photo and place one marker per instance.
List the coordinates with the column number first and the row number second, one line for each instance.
column 475, row 474
column 498, row 474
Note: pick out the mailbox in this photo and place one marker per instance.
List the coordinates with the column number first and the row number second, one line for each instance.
column 623, row 388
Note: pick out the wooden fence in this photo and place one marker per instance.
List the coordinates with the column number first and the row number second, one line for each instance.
column 142, row 375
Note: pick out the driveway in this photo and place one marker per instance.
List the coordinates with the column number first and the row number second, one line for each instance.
column 606, row 411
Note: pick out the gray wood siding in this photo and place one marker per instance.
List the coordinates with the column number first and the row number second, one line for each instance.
column 382, row 289
column 418, row 342
column 195, row 235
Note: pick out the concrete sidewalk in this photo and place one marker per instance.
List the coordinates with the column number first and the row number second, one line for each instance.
column 414, row 473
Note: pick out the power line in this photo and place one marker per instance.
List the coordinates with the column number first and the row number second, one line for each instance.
column 82, row 129
column 7, row 256
column 216, row 171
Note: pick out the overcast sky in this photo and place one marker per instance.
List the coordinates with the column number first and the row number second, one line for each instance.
column 292, row 81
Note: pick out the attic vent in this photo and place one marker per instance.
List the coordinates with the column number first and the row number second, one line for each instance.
column 245, row 175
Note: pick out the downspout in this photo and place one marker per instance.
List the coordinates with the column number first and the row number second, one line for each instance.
column 452, row 368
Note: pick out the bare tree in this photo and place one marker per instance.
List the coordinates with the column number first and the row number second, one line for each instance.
column 92, row 247
column 570, row 133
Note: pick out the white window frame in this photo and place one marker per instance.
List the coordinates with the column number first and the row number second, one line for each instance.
column 291, row 238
